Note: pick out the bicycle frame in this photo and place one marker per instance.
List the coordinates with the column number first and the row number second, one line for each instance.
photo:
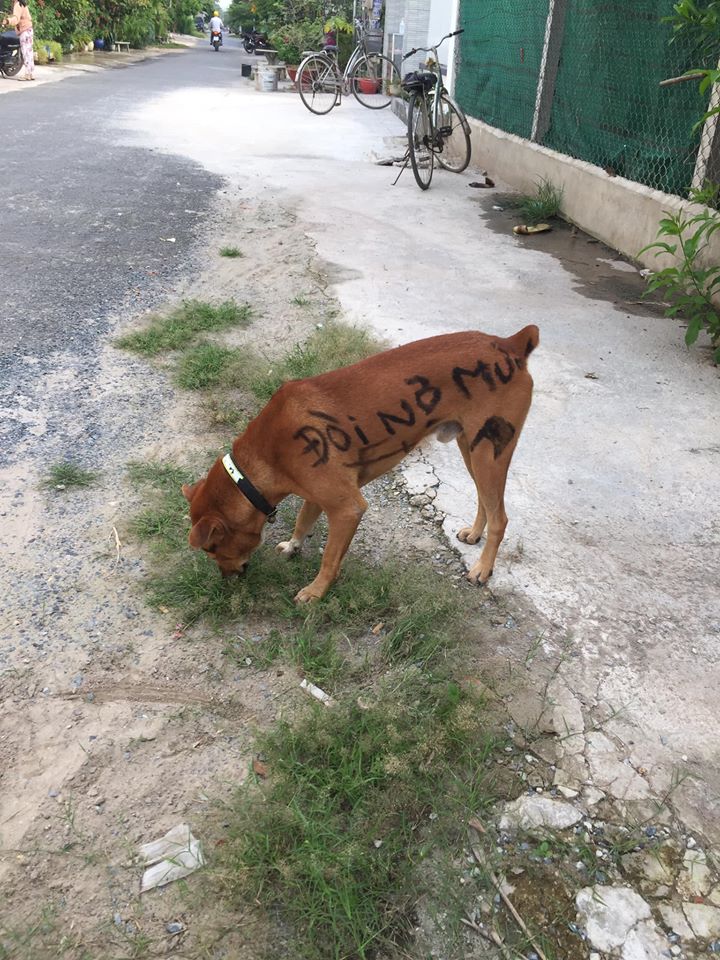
column 342, row 81
column 439, row 89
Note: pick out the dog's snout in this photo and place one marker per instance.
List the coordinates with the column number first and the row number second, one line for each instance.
column 237, row 572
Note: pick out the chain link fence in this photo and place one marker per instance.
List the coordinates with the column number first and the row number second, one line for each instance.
column 583, row 77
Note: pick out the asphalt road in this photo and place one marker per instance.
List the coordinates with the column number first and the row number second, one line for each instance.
column 83, row 221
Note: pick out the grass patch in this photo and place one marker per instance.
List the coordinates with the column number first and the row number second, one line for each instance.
column 64, row 475
column 179, row 328
column 357, row 795
column 421, row 618
column 231, row 252
column 332, row 345
column 545, row 205
column 203, row 366
column 301, row 300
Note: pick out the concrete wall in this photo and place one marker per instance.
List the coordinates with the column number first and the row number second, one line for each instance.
column 619, row 212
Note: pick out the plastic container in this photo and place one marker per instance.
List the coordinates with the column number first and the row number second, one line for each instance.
column 267, row 79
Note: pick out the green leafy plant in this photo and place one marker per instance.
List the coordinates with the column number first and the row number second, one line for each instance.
column 231, row 252
column 699, row 24
column 690, row 285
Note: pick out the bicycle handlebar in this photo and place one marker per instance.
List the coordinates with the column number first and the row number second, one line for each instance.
column 431, row 49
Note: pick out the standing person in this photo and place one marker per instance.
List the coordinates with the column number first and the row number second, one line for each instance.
column 22, row 21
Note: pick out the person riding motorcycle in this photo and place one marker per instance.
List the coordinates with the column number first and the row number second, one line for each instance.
column 216, row 26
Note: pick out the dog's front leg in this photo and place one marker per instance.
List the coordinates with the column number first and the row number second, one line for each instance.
column 306, row 520
column 343, row 520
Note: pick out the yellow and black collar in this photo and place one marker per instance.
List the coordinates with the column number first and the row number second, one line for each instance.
column 246, row 487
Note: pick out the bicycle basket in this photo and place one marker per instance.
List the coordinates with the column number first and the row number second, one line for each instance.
column 419, row 80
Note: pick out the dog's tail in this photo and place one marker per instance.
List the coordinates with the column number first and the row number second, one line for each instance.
column 522, row 343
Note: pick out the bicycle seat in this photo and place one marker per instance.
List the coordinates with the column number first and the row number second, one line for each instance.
column 330, row 48
column 419, row 80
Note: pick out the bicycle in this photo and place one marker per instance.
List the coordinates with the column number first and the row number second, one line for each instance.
column 371, row 77
column 437, row 127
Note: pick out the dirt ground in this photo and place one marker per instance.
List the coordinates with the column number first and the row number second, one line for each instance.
column 116, row 723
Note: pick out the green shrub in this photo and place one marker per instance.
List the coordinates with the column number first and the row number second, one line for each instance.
column 47, row 51
column 293, row 39
column 690, row 286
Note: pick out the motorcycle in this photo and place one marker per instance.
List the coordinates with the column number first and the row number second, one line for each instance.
column 254, row 40
column 216, row 40
column 10, row 57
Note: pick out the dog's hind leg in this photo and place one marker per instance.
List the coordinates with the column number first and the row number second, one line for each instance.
column 490, row 475
column 343, row 519
column 474, row 533
column 304, row 524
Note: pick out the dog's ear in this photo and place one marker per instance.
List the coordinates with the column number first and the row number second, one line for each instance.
column 205, row 532
column 188, row 490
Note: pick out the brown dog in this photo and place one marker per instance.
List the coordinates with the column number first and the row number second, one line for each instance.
column 325, row 437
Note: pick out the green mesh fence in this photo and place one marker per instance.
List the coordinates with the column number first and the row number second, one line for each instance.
column 501, row 51
column 608, row 107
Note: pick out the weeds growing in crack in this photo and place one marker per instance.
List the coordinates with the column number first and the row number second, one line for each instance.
column 545, row 204
column 231, row 252
column 180, row 327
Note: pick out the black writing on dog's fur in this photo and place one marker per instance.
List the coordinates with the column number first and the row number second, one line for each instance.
column 460, row 374
column 338, row 437
column 359, row 431
column 316, row 443
column 428, row 396
column 365, row 461
column 388, row 419
column 505, row 376
column 498, row 431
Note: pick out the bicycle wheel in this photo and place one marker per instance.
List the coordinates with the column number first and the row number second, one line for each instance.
column 455, row 133
column 374, row 81
column 317, row 84
column 420, row 139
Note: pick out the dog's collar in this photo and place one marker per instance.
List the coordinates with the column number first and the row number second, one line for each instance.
column 246, row 487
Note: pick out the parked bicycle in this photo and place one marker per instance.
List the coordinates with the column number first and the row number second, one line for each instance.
column 437, row 127
column 372, row 78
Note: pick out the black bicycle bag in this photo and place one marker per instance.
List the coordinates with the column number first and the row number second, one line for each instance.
column 419, row 80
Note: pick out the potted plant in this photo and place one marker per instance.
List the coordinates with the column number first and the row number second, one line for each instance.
column 291, row 40
column 288, row 51
column 368, row 85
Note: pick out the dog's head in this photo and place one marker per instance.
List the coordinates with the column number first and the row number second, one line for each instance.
column 224, row 523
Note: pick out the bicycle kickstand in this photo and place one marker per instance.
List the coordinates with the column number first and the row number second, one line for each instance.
column 406, row 161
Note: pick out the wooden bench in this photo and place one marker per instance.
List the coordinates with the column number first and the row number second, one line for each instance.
column 121, row 46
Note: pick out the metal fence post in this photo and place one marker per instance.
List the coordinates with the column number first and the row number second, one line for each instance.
column 554, row 29
column 707, row 166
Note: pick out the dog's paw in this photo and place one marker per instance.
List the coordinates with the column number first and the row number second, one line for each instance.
column 288, row 548
column 306, row 595
column 466, row 536
column 476, row 575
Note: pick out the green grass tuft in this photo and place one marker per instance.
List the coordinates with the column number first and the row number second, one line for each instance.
column 203, row 366
column 545, row 205
column 231, row 252
column 332, row 345
column 355, row 795
column 67, row 474
column 179, row 328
